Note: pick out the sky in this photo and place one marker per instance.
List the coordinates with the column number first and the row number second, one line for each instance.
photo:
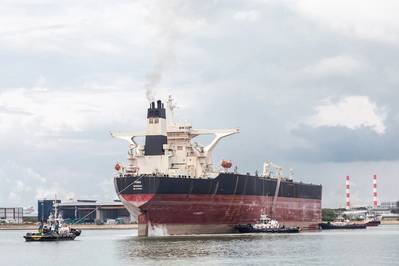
column 312, row 85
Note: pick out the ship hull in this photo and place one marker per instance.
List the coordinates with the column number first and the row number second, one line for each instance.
column 217, row 211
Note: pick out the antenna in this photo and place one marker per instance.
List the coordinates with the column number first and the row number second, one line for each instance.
column 55, row 206
column 291, row 173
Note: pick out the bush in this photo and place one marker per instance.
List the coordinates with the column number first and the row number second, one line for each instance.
column 328, row 215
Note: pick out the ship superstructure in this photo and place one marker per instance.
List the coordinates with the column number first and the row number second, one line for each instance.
column 170, row 183
column 169, row 149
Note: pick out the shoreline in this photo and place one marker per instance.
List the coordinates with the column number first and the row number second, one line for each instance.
column 388, row 222
column 106, row 226
column 77, row 226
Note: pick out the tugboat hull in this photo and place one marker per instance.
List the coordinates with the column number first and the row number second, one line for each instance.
column 373, row 223
column 329, row 226
column 37, row 237
column 250, row 229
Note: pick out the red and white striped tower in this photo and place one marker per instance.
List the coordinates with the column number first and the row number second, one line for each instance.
column 348, row 195
column 375, row 199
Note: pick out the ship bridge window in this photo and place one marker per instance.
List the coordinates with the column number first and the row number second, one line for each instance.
column 151, row 121
column 156, row 120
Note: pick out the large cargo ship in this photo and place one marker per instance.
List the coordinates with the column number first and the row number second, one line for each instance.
column 171, row 186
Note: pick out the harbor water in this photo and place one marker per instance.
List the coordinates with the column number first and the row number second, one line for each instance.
column 371, row 246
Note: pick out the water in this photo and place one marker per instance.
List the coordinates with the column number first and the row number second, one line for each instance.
column 373, row 246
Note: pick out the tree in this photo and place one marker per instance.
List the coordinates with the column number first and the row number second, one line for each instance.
column 328, row 215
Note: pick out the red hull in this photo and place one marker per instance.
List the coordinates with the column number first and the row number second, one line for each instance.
column 191, row 214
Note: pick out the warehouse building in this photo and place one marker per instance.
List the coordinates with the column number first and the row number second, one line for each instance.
column 11, row 215
column 390, row 205
column 91, row 211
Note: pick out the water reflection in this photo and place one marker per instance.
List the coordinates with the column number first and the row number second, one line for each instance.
column 374, row 246
column 307, row 248
column 181, row 247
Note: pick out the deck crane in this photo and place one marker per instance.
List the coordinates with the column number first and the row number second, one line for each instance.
column 272, row 170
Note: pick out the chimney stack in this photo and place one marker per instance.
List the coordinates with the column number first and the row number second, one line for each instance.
column 348, row 203
column 375, row 199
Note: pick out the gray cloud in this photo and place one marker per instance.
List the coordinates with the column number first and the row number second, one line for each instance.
column 345, row 145
column 261, row 66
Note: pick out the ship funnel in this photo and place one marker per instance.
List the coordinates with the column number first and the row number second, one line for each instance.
column 156, row 130
column 158, row 111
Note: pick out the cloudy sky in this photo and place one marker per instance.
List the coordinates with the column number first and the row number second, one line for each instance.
column 313, row 86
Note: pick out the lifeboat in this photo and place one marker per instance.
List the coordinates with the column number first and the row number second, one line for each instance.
column 226, row 164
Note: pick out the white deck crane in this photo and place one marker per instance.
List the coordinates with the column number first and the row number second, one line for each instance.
column 268, row 168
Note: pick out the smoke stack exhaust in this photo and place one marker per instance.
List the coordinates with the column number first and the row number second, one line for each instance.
column 348, row 195
column 375, row 198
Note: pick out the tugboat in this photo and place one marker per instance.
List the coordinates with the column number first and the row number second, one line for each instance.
column 55, row 231
column 372, row 220
column 346, row 224
column 49, row 236
column 266, row 225
column 373, row 223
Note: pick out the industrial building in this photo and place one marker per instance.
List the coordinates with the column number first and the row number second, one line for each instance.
column 390, row 205
column 45, row 208
column 11, row 215
column 90, row 211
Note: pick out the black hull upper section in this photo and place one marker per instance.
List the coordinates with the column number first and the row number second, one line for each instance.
column 223, row 184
